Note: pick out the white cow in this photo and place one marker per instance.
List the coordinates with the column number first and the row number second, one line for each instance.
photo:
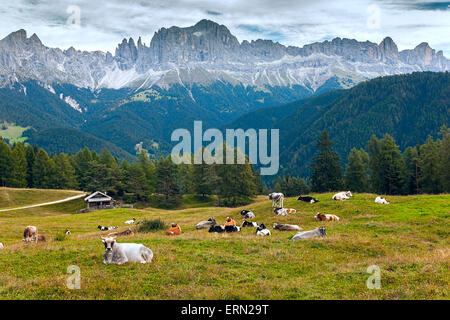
column 344, row 195
column 277, row 198
column 310, row 234
column 120, row 253
column 132, row 221
column 1, row 245
column 262, row 230
column 381, row 200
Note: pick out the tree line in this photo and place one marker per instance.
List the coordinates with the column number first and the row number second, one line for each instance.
column 383, row 169
column 160, row 180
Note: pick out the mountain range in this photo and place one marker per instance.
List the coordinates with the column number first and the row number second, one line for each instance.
column 142, row 92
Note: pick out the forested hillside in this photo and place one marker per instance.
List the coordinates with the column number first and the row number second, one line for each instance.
column 408, row 107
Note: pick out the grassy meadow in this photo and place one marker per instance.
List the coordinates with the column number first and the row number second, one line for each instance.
column 408, row 240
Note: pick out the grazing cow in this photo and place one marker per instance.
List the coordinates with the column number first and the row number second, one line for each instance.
column 30, row 234
column 67, row 232
column 247, row 214
column 127, row 232
column 218, row 229
column 231, row 228
column 307, row 199
column 132, row 221
column 249, row 224
column 206, row 224
column 174, row 230
column 1, row 245
column 120, row 253
column 316, row 233
column 106, row 228
column 381, row 200
column 230, row 222
column 277, row 198
column 344, row 195
column 326, row 217
column 286, row 227
column 262, row 230
column 41, row 238
column 280, row 211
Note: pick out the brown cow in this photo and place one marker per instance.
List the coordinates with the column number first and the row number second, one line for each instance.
column 174, row 230
column 127, row 232
column 230, row 222
column 326, row 217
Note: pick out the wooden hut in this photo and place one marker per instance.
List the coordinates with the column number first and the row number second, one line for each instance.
column 99, row 200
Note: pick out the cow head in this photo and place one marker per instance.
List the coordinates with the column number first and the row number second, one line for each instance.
column 322, row 231
column 109, row 243
column 348, row 194
column 319, row 216
column 212, row 220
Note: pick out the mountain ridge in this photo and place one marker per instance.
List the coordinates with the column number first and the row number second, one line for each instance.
column 208, row 52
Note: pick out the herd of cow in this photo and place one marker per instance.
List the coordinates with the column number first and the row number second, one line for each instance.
column 120, row 253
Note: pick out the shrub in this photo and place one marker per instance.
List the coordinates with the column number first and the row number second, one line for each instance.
column 60, row 237
column 152, row 225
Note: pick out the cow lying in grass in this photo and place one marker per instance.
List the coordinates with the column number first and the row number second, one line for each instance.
column 307, row 199
column 316, row 233
column 30, row 234
column 220, row 229
column 127, row 232
column 249, row 224
column 286, row 227
column 101, row 228
column 283, row 211
column 174, row 230
column 206, row 224
column 1, row 245
column 120, row 253
column 344, row 195
column 247, row 214
column 262, row 230
column 326, row 217
column 381, row 200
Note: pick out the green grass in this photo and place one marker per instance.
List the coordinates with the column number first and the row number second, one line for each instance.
column 12, row 132
column 13, row 198
column 408, row 240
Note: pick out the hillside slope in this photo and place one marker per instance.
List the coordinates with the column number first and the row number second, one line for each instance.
column 408, row 107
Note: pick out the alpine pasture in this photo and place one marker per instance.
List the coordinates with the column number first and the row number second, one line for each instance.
column 407, row 239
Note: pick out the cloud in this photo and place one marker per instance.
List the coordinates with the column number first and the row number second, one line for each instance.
column 104, row 23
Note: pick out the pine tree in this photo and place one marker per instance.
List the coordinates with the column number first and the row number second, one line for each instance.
column 65, row 173
column 444, row 166
column 19, row 166
column 6, row 164
column 375, row 168
column 167, row 182
column 237, row 182
column 30, row 154
column 149, row 170
column 326, row 168
column 429, row 163
column 82, row 160
column 392, row 166
column 411, row 159
column 356, row 172
column 42, row 170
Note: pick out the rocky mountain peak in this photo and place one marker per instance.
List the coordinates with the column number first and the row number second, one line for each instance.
column 388, row 50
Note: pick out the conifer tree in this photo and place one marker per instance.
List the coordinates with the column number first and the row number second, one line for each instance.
column 6, row 164
column 19, row 166
column 356, row 172
column 326, row 168
column 429, row 163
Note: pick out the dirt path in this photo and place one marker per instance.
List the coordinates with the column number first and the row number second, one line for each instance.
column 46, row 203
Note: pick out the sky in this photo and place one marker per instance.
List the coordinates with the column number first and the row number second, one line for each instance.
column 102, row 24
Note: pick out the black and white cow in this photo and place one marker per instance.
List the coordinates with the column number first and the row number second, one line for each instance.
column 218, row 229
column 101, row 228
column 231, row 228
column 277, row 198
column 262, row 230
column 247, row 214
column 249, row 224
column 308, row 199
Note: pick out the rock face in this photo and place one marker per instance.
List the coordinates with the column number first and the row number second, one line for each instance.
column 206, row 53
